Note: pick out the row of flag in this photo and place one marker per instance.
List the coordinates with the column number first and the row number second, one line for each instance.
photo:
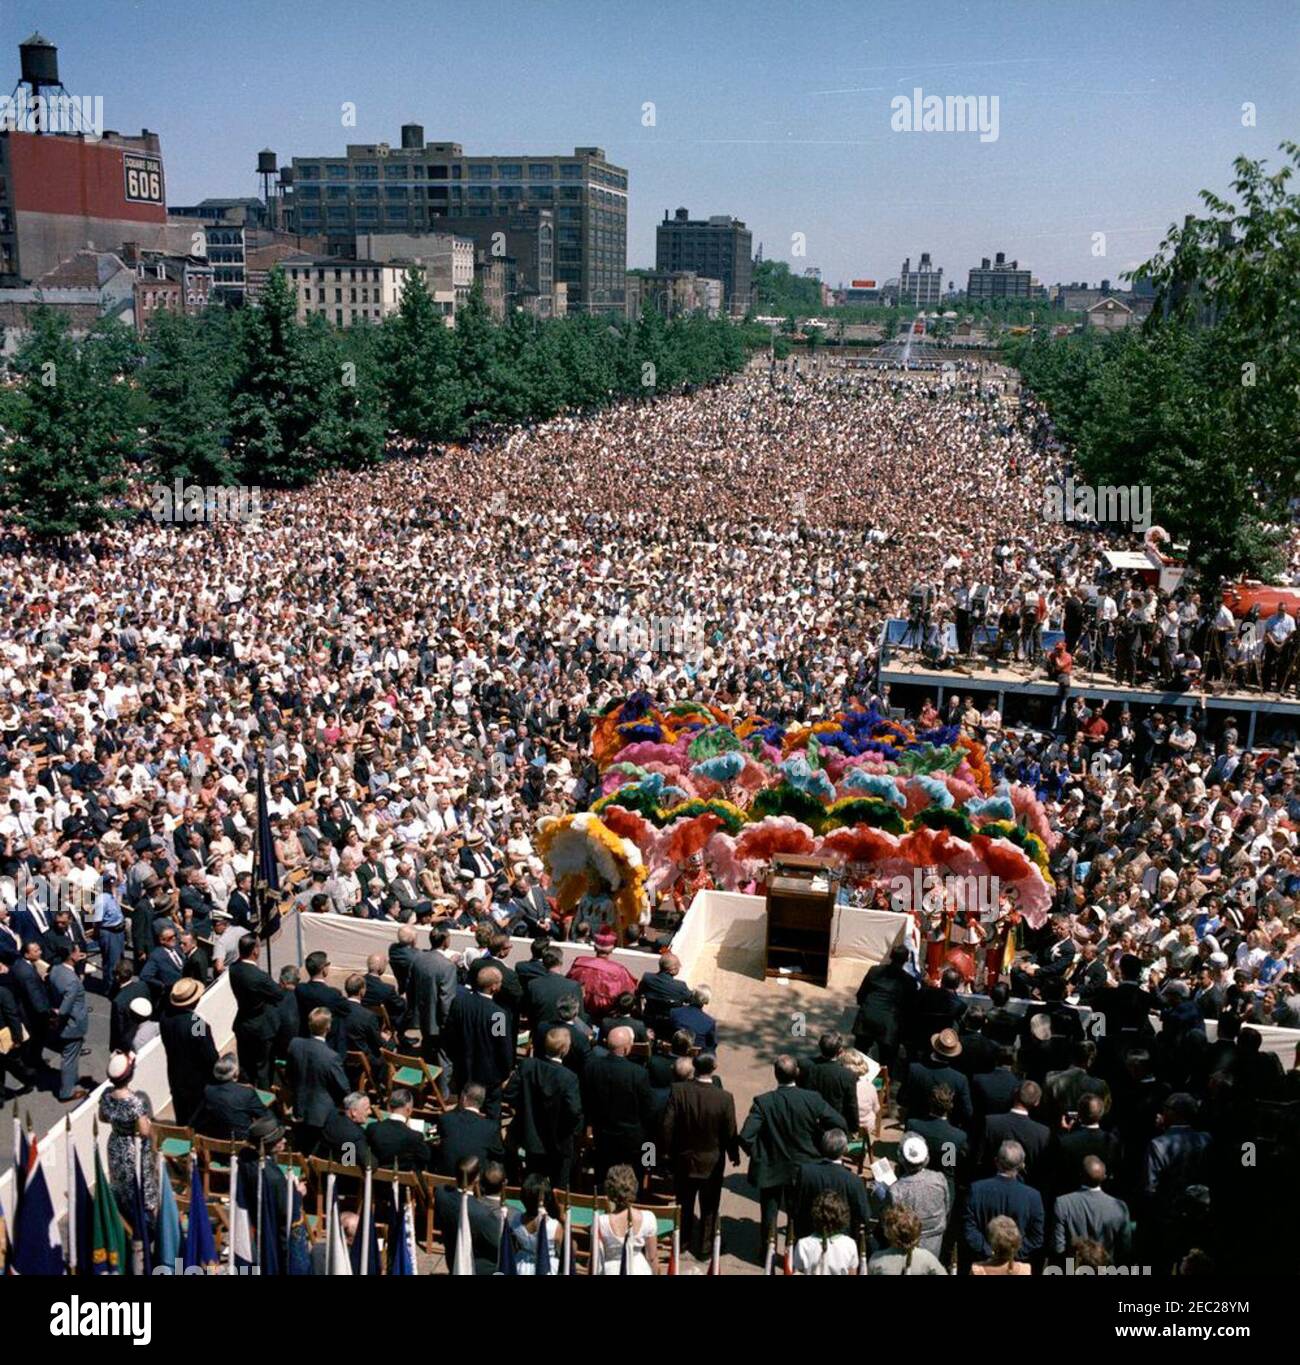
column 268, row 1227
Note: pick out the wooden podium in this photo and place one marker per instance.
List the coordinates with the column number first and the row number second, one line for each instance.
column 800, row 907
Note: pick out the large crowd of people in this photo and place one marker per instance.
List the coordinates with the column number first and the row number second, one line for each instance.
column 412, row 656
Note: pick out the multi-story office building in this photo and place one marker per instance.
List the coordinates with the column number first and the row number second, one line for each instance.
column 380, row 189
column 673, row 293
column 343, row 290
column 1002, row 279
column 446, row 258
column 922, row 287
column 525, row 241
column 717, row 248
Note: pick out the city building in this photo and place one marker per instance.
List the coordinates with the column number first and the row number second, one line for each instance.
column 1109, row 315
column 717, row 248
column 87, row 286
column 343, row 290
column 491, row 274
column 165, row 283
column 525, row 240
column 1002, row 279
column 863, row 291
column 409, row 188
column 922, row 287
column 447, row 259
column 673, row 293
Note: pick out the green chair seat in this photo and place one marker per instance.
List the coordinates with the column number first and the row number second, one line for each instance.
column 409, row 1076
column 266, row 1097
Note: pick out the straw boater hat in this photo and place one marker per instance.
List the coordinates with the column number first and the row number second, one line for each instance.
column 186, row 992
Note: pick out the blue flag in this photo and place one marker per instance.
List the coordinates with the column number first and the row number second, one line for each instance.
column 37, row 1249
column 299, row 1246
column 200, row 1245
column 141, row 1232
column 266, row 873
column 543, row 1247
column 270, row 1253
column 85, row 1214
column 401, row 1236
column 373, row 1266
column 168, row 1248
column 506, row 1251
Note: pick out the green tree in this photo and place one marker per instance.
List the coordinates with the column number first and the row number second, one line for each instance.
column 186, row 376
column 68, row 424
column 418, row 373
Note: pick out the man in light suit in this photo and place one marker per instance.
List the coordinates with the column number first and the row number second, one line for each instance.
column 71, row 1019
column 1091, row 1213
column 317, row 1080
column 430, row 989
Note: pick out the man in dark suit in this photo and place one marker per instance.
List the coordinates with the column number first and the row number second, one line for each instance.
column 191, row 1052
column 343, row 1134
column 543, row 993
column 1084, row 1138
column 317, row 993
column 1003, row 1193
column 1019, row 1126
column 481, row 1040
column 165, row 965
column 257, row 1018
column 511, row 995
column 623, row 1014
column 993, row 1091
column 358, row 1027
column 465, row 1131
column 782, row 1131
column 979, row 1053
column 832, row 1080
column 380, row 992
column 582, row 1037
column 938, row 1069
column 316, row 1079
column 617, row 1102
column 829, row 1173
column 33, row 1001
column 287, row 1020
column 431, row 988
column 662, row 992
column 1054, row 959
column 121, row 1026
column 1090, row 1213
column 937, row 1008
column 698, row 1136
column 402, row 955
column 948, row 1145
column 693, row 1016
column 885, row 1000
column 228, row 1108
column 484, row 1183
column 393, row 1142
column 547, row 1103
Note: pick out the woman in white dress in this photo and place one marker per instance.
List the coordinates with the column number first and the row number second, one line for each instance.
column 624, row 1231
column 829, row 1250
column 539, row 1218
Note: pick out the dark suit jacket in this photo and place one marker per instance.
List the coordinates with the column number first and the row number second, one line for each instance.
column 286, row 1022
column 397, row 1144
column 227, row 1110
column 32, row 997
column 616, row 1098
column 359, row 1031
column 661, row 994
column 949, row 1147
column 380, row 992
column 998, row 1195
column 480, row 1041
column 783, row 1130
column 462, row 1133
column 484, row 1228
column 400, row 957
column 161, row 971
column 122, row 1023
column 1034, row 1137
column 699, row 1129
column 580, row 1044
column 543, row 995
column 702, row 1025
column 547, row 1101
column 258, row 1001
column 319, row 995
column 1074, row 1146
column 836, row 1084
column 815, row 1177
column 922, row 1077
column 992, row 1091
column 191, row 1055
column 343, row 1140
column 316, row 1077
column 885, row 1000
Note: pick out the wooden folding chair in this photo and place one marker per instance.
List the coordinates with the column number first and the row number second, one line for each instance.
column 217, row 1163
column 436, row 1243
column 349, row 1187
column 413, row 1073
column 361, row 1073
column 176, row 1146
column 668, row 1228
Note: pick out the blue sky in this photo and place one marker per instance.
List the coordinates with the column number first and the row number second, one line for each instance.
column 1113, row 114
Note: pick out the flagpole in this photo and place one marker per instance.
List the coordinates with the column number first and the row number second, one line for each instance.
column 230, row 1231
column 261, row 1175
column 715, row 1261
column 70, row 1163
column 290, row 1189
column 568, row 1239
column 329, row 1224
column 364, row 1230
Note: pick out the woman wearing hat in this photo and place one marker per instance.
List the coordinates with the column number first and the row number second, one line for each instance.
column 128, row 1114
